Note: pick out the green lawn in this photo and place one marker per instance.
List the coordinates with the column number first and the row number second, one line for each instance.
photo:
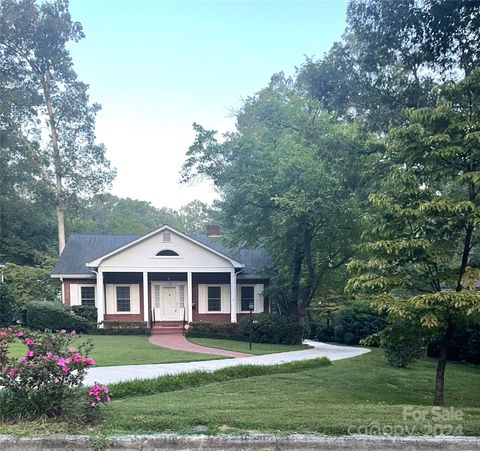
column 242, row 346
column 111, row 350
column 362, row 394
column 363, row 391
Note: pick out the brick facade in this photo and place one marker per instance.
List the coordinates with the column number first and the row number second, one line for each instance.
column 124, row 317
column 136, row 278
column 67, row 283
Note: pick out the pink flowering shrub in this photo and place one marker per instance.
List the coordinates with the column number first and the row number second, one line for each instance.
column 6, row 337
column 96, row 396
column 44, row 380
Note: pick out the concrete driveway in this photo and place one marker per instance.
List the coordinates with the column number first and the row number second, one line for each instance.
column 112, row 374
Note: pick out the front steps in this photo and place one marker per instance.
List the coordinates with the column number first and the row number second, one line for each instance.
column 167, row 328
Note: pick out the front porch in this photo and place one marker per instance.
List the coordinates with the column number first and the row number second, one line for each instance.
column 167, row 301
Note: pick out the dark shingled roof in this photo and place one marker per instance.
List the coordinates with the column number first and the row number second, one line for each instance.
column 82, row 248
column 255, row 260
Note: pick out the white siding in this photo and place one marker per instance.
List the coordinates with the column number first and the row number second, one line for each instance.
column 203, row 298
column 112, row 302
column 142, row 257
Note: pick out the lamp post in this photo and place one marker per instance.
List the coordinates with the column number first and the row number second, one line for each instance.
column 251, row 306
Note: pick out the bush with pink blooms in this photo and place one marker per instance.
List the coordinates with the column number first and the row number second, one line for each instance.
column 96, row 396
column 45, row 381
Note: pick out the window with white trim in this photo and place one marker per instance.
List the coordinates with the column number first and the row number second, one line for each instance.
column 87, row 295
column 214, row 297
column 123, row 298
column 247, row 297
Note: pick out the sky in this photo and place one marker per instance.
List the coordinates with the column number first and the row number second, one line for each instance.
column 158, row 66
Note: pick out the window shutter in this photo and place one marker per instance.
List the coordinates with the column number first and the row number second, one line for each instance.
column 258, row 293
column 135, row 298
column 74, row 294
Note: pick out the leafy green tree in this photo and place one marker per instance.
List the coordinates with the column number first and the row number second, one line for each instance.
column 419, row 255
column 27, row 222
column 196, row 216
column 106, row 213
column 38, row 74
column 31, row 283
column 27, row 230
column 391, row 54
column 287, row 179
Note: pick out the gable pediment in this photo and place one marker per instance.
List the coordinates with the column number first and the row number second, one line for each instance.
column 156, row 250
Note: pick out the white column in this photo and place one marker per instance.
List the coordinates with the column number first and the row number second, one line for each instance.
column 100, row 299
column 63, row 289
column 233, row 297
column 189, row 297
column 146, row 309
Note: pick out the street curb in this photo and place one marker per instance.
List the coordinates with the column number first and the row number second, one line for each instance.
column 249, row 442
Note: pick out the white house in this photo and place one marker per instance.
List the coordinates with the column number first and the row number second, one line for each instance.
column 164, row 278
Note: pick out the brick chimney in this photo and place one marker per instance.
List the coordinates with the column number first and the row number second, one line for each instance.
column 213, row 231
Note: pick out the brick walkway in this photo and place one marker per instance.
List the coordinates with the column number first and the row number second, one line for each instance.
column 178, row 341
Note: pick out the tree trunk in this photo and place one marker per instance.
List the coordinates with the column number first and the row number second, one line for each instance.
column 465, row 256
column 59, row 202
column 438, row 398
column 59, row 208
column 295, row 283
column 310, row 284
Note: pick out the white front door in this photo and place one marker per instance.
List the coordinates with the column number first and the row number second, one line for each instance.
column 169, row 302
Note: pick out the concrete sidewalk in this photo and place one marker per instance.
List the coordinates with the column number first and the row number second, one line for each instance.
column 112, row 374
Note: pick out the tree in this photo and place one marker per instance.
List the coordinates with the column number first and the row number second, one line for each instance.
column 391, row 54
column 106, row 213
column 287, row 179
column 196, row 216
column 27, row 228
column 8, row 305
column 418, row 262
column 31, row 283
column 37, row 71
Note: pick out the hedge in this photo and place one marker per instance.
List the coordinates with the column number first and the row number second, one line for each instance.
column 89, row 312
column 205, row 329
column 123, row 328
column 354, row 322
column 51, row 315
column 8, row 305
column 267, row 328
